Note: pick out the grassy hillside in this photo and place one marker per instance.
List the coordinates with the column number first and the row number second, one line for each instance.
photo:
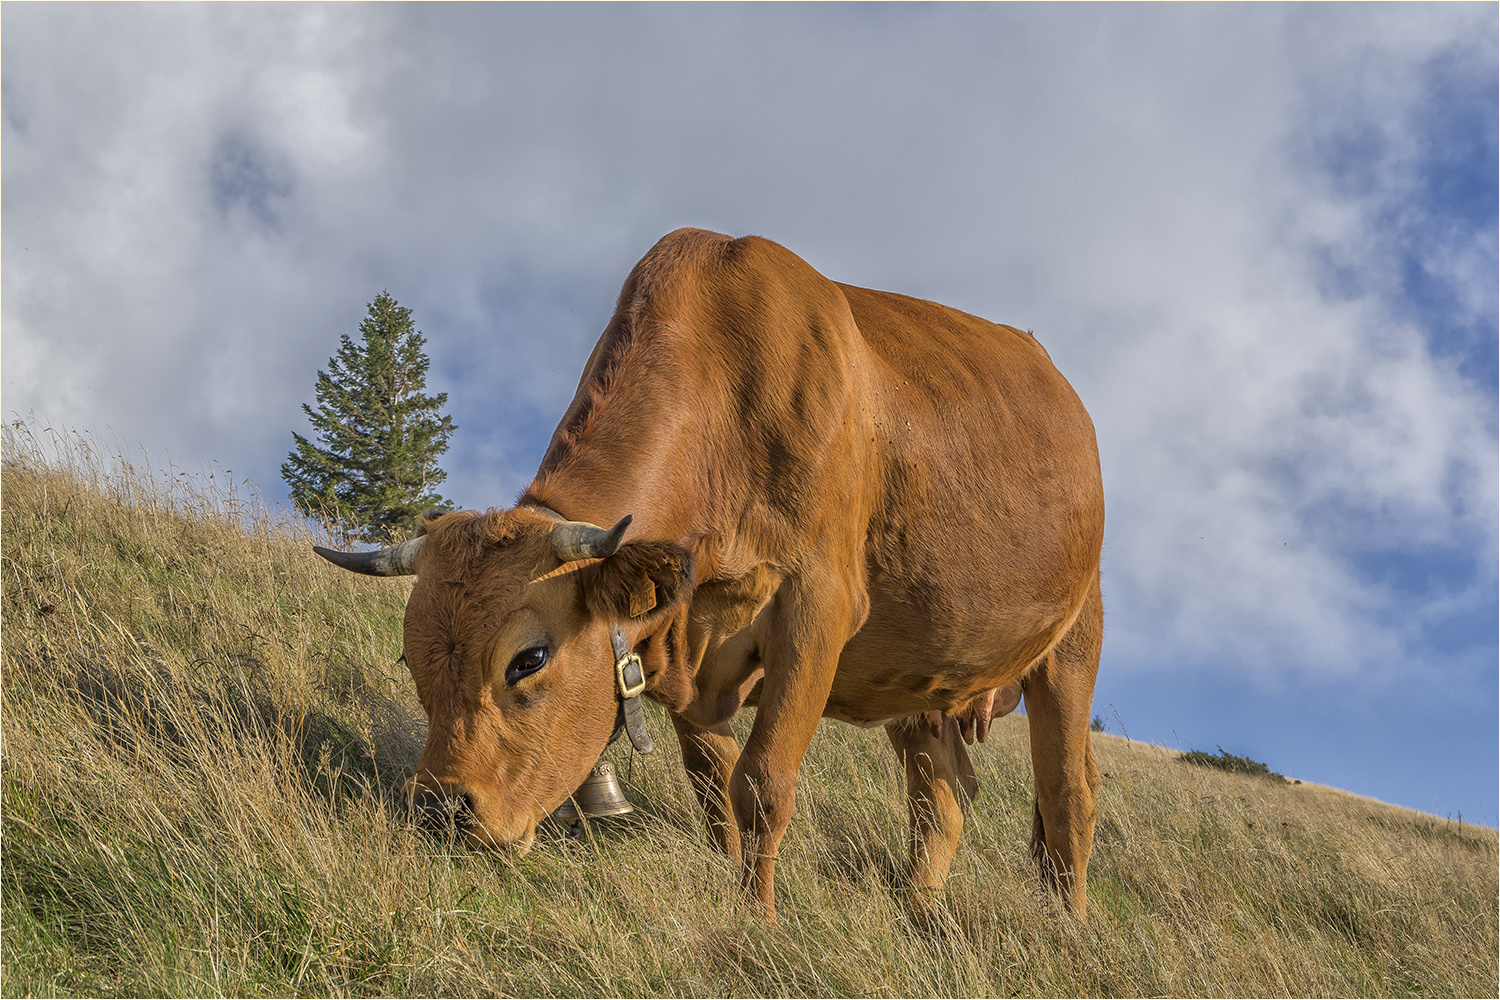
column 205, row 731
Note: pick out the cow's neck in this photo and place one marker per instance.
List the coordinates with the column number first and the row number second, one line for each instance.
column 603, row 507
column 646, row 478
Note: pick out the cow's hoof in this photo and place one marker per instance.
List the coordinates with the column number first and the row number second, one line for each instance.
column 927, row 910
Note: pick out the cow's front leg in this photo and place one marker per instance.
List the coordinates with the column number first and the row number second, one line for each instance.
column 940, row 784
column 709, row 756
column 800, row 649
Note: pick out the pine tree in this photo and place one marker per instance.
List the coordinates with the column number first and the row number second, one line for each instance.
column 374, row 468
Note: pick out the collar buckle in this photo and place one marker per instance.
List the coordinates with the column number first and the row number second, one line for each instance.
column 630, row 676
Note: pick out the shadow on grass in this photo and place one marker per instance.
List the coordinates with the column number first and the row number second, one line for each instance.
column 231, row 704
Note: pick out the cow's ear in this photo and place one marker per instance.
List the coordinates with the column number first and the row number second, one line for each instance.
column 641, row 580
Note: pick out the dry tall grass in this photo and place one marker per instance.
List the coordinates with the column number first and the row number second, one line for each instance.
column 205, row 728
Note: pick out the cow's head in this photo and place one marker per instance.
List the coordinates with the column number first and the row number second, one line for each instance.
column 507, row 638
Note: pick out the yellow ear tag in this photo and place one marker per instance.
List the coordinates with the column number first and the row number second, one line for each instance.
column 644, row 598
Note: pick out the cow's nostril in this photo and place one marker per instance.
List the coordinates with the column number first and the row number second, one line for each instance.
column 424, row 806
column 436, row 811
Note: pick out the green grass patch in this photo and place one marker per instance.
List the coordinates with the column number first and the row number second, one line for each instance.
column 1226, row 761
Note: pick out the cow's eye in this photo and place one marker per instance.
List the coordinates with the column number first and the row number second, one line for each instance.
column 526, row 663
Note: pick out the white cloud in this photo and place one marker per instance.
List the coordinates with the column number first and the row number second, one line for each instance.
column 198, row 200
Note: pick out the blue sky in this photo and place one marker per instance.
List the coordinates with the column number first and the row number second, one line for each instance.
column 1260, row 240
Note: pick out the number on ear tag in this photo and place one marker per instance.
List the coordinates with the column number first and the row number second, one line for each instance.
column 644, row 598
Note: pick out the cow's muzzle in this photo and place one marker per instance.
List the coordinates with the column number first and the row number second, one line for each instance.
column 440, row 813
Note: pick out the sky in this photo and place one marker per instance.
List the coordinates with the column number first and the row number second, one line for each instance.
column 1259, row 240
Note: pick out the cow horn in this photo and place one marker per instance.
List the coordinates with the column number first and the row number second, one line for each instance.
column 398, row 560
column 581, row 540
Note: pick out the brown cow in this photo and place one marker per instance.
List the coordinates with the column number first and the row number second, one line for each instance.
column 845, row 503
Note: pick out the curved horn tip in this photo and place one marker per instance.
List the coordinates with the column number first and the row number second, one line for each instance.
column 617, row 533
column 581, row 540
column 398, row 560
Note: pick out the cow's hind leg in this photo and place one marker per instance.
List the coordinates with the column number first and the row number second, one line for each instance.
column 940, row 784
column 708, row 756
column 1059, row 696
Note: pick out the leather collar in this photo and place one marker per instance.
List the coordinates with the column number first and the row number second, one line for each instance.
column 630, row 682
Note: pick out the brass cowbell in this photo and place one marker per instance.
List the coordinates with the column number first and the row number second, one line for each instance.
column 599, row 796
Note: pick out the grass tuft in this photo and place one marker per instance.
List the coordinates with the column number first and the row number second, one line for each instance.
column 1226, row 761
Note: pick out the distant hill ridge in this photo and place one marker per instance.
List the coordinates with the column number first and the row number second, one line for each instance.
column 206, row 729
